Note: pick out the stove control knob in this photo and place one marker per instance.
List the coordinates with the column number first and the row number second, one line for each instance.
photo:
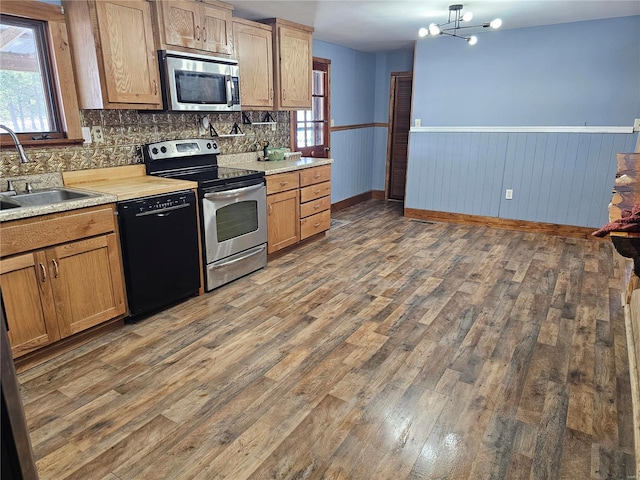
column 215, row 145
column 209, row 146
column 154, row 150
column 163, row 149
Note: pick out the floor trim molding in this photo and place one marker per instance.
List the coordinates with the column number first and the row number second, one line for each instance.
column 348, row 202
column 504, row 223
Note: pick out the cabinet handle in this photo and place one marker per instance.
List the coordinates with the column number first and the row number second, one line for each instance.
column 284, row 94
column 315, row 207
column 317, row 175
column 317, row 191
column 204, row 34
column 55, row 267
column 271, row 94
column 155, row 87
column 43, row 273
column 282, row 184
column 316, row 225
column 197, row 32
column 270, row 209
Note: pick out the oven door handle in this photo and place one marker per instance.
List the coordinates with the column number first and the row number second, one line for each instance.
column 233, row 193
column 250, row 253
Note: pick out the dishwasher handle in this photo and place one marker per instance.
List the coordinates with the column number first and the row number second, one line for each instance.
column 163, row 211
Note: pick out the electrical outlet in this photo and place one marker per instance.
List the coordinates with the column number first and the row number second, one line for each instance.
column 636, row 125
column 273, row 127
column 96, row 134
column 332, row 122
column 418, row 122
column 86, row 135
column 509, row 194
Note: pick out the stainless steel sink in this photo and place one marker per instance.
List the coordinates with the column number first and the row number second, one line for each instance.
column 44, row 197
column 6, row 204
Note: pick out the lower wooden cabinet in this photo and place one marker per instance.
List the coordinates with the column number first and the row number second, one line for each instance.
column 62, row 289
column 298, row 206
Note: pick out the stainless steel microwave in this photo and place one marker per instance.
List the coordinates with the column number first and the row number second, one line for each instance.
column 193, row 82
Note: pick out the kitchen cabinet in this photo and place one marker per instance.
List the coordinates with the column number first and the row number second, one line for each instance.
column 298, row 206
column 293, row 65
column 114, row 54
column 205, row 26
column 283, row 204
column 254, row 51
column 60, row 274
column 315, row 200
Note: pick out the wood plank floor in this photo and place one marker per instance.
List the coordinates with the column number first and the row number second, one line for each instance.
column 390, row 349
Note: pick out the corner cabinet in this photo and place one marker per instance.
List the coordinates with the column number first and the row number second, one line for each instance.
column 298, row 206
column 114, row 54
column 60, row 274
column 253, row 49
column 293, row 64
column 204, row 26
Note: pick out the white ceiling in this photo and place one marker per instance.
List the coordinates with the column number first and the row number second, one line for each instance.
column 384, row 25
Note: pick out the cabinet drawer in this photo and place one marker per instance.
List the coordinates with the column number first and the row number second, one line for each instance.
column 315, row 224
column 282, row 182
column 315, row 191
column 314, row 175
column 43, row 231
column 315, row 206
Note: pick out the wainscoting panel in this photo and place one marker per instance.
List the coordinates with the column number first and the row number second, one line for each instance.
column 351, row 171
column 563, row 178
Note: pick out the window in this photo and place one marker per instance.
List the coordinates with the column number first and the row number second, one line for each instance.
column 26, row 103
column 310, row 128
column 37, row 89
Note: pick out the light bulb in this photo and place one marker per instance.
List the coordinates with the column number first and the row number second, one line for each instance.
column 423, row 32
column 497, row 23
column 434, row 29
column 472, row 40
column 467, row 16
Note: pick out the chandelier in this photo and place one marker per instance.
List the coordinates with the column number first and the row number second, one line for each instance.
column 454, row 25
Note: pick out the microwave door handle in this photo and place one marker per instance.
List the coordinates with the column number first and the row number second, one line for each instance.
column 229, row 82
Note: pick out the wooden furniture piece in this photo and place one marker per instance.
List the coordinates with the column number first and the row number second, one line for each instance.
column 114, row 54
column 201, row 26
column 315, row 200
column 60, row 274
column 292, row 64
column 298, row 206
column 254, row 52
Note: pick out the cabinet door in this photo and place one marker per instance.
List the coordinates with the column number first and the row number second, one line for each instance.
column 128, row 51
column 254, row 52
column 283, row 225
column 26, row 290
column 181, row 22
column 296, row 68
column 216, row 30
column 86, row 278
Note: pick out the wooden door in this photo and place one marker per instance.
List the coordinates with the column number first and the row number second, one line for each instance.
column 216, row 30
column 128, row 50
column 296, row 65
column 28, row 300
column 254, row 52
column 283, row 224
column 181, row 23
column 87, row 283
column 399, row 125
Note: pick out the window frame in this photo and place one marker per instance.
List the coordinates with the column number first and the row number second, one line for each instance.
column 319, row 64
column 64, row 99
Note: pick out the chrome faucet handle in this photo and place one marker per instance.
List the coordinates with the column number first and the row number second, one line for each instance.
column 10, row 187
column 29, row 186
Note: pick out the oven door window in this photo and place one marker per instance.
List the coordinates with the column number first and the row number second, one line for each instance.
column 236, row 219
column 201, row 88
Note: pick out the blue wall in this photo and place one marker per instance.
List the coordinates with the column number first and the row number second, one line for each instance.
column 359, row 94
column 541, row 76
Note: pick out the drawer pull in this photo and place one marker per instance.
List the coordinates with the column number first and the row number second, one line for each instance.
column 43, row 273
column 282, row 184
column 317, row 175
column 270, row 209
column 317, row 191
column 315, row 207
column 316, row 225
column 55, row 267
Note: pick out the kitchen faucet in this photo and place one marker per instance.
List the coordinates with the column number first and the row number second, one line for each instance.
column 23, row 156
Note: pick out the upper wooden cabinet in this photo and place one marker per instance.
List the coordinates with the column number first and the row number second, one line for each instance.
column 293, row 64
column 204, row 26
column 253, row 49
column 114, row 54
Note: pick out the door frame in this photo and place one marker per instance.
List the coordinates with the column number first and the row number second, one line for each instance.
column 392, row 94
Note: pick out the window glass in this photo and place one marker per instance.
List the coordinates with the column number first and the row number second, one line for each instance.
column 25, row 99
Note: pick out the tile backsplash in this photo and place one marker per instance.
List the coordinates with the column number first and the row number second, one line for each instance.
column 126, row 130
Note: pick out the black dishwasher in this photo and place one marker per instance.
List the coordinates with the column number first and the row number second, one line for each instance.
column 159, row 238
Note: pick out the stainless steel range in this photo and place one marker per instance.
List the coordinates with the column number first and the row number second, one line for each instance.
column 232, row 206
